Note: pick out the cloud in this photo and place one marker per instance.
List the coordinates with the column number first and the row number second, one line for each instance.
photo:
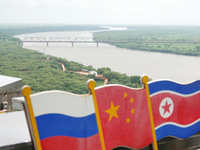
column 31, row 3
column 101, row 11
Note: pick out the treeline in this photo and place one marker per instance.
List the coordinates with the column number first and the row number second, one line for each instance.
column 148, row 35
column 6, row 37
column 24, row 29
column 161, row 27
column 118, row 78
column 42, row 74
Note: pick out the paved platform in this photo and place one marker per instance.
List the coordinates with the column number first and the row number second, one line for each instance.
column 14, row 130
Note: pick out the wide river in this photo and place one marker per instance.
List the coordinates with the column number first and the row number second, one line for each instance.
column 179, row 68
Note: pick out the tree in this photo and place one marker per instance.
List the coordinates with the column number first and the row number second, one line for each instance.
column 135, row 79
column 91, row 76
column 101, row 70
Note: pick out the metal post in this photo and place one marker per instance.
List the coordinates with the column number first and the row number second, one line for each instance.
column 151, row 147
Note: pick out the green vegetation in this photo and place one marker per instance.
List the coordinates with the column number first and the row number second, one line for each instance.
column 42, row 74
column 4, row 36
column 145, row 35
column 24, row 29
column 118, row 78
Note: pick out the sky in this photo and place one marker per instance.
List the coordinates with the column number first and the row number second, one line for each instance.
column 133, row 12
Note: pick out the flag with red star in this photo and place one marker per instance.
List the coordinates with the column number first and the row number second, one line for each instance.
column 124, row 116
column 175, row 108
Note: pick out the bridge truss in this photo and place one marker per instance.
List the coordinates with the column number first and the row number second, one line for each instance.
column 91, row 40
column 84, row 40
column 60, row 39
column 34, row 39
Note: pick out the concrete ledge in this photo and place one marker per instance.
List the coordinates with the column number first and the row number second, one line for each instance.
column 14, row 129
column 17, row 103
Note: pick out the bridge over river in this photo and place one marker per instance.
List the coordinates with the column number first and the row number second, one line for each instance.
column 91, row 40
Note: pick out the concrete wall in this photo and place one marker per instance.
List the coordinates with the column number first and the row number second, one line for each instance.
column 7, row 97
column 10, row 90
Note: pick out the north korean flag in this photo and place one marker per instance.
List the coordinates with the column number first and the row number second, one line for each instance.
column 175, row 108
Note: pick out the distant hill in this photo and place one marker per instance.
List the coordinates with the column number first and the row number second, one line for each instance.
column 16, row 29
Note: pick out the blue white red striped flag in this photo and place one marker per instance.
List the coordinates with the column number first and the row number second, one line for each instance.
column 175, row 108
column 65, row 121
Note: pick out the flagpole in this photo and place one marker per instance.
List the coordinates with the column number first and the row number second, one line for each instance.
column 145, row 79
column 91, row 86
column 26, row 91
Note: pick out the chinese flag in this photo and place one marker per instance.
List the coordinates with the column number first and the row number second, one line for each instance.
column 124, row 116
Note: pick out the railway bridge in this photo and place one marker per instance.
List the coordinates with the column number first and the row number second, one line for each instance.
column 59, row 40
column 90, row 40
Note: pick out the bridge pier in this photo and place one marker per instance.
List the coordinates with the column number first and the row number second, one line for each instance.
column 22, row 43
column 47, row 44
column 97, row 44
column 72, row 44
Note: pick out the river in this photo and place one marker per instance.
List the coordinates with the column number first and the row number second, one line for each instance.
column 179, row 68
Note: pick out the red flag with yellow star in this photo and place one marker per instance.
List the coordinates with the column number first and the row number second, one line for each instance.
column 124, row 116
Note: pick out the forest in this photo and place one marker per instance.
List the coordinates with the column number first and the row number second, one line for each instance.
column 144, row 35
column 17, row 29
column 42, row 74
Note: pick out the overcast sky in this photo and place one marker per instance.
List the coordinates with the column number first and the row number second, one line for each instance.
column 136, row 12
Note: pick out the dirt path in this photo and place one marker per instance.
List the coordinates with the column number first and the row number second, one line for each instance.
column 63, row 66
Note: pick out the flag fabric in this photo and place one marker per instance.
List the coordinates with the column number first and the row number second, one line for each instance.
column 175, row 108
column 65, row 121
column 124, row 116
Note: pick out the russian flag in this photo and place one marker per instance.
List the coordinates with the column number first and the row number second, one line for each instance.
column 66, row 121
column 176, row 108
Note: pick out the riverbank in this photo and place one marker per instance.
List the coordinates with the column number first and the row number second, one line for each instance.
column 130, row 62
column 17, row 29
column 143, row 34
column 43, row 75
column 180, row 41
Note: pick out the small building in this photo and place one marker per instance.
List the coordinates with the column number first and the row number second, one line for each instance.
column 9, row 87
column 84, row 70
column 94, row 73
